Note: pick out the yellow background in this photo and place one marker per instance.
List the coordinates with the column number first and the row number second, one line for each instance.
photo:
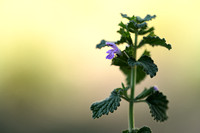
column 50, row 71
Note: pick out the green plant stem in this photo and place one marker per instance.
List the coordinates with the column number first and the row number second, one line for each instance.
column 133, row 83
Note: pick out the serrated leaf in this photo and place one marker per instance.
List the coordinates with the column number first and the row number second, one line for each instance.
column 145, row 31
column 101, row 44
column 127, row 17
column 147, row 18
column 132, row 62
column 142, row 25
column 154, row 41
column 108, row 105
column 148, row 65
column 144, row 130
column 133, row 26
column 145, row 93
column 158, row 105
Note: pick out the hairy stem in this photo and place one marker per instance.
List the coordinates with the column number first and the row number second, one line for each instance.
column 133, row 83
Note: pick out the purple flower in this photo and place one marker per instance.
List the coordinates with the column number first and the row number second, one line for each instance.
column 155, row 88
column 112, row 51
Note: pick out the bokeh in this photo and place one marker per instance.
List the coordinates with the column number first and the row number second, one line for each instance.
column 50, row 71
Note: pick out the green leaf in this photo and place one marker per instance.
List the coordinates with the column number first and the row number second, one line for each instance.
column 141, row 130
column 145, row 31
column 140, row 75
column 142, row 25
column 133, row 26
column 144, row 130
column 132, row 62
column 129, row 51
column 125, row 131
column 127, row 17
column 146, row 52
column 124, row 88
column 145, row 93
column 154, row 41
column 108, row 105
column 158, row 105
column 123, row 32
column 122, row 40
column 101, row 44
column 147, row 18
column 126, row 69
column 125, row 36
column 127, row 72
column 121, row 60
column 147, row 63
column 121, row 24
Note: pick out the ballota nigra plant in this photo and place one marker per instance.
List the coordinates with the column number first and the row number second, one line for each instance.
column 135, row 69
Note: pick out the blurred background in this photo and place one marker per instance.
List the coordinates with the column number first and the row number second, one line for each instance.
column 50, row 71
